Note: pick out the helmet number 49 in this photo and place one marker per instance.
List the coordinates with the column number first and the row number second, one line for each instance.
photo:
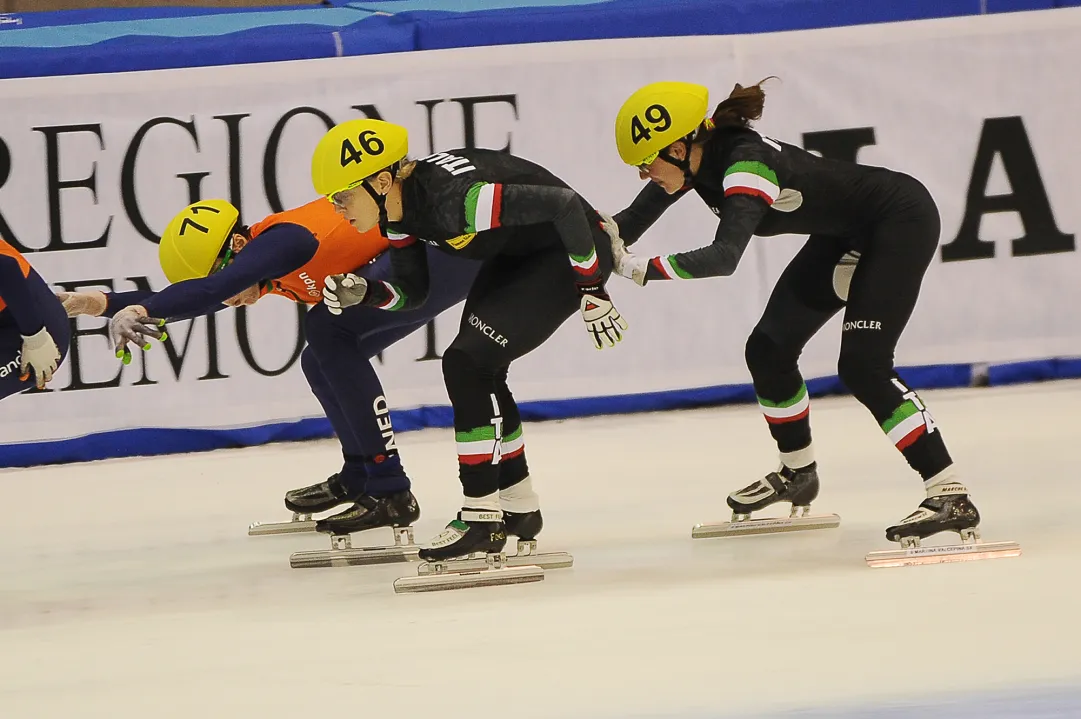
column 369, row 145
column 658, row 118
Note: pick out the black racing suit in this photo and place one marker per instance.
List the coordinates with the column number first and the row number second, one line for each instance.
column 884, row 222
column 541, row 245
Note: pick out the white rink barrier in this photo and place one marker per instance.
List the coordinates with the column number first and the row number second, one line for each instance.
column 92, row 168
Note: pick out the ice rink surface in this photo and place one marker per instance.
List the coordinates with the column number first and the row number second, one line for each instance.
column 130, row 588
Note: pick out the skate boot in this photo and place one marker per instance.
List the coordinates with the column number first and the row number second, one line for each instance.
column 524, row 525
column 446, row 564
column 305, row 502
column 799, row 487
column 320, row 497
column 473, row 531
column 396, row 510
column 946, row 509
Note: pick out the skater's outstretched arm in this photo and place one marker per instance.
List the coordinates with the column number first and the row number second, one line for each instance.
column 750, row 188
column 276, row 252
column 646, row 209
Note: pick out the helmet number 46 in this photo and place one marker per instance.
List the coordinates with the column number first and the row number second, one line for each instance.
column 368, row 143
column 658, row 118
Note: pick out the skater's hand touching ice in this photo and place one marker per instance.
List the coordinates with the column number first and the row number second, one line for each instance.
column 341, row 291
column 132, row 324
column 624, row 263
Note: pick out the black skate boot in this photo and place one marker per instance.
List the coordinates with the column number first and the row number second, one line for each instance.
column 524, row 525
column 320, row 497
column 396, row 510
column 798, row 486
column 946, row 509
column 473, row 531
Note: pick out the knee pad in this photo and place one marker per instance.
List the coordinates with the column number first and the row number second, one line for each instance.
column 763, row 355
column 864, row 375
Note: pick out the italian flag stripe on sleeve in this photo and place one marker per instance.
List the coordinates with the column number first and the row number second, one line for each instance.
column 586, row 265
column 476, row 446
column 396, row 299
column 671, row 270
column 399, row 240
column 790, row 410
column 754, row 178
column 482, row 205
column 905, row 425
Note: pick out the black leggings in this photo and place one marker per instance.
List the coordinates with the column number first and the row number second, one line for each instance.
column 516, row 303
column 885, row 286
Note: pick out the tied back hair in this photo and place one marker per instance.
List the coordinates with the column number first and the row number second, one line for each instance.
column 742, row 105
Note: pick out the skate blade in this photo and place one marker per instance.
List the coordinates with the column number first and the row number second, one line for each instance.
column 471, row 580
column 550, row 560
column 940, row 555
column 769, row 525
column 352, row 557
column 296, row 526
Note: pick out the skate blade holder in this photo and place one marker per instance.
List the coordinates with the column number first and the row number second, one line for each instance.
column 342, row 553
column 742, row 525
column 298, row 524
column 484, row 570
column 970, row 549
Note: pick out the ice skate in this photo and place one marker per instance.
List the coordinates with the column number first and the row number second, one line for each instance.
column 799, row 487
column 947, row 508
column 305, row 502
column 526, row 526
column 398, row 511
column 469, row 553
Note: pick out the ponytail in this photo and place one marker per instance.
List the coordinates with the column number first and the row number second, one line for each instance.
column 741, row 106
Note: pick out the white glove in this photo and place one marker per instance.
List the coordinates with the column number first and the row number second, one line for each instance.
column 341, row 291
column 41, row 354
column 624, row 263
column 132, row 324
column 91, row 303
column 603, row 320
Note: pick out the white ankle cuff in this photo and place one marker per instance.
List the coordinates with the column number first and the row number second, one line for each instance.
column 519, row 498
column 800, row 458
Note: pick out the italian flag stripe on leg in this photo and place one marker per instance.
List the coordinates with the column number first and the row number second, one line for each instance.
column 790, row 410
column 396, row 299
column 670, row 268
column 475, row 446
column 586, row 265
column 482, row 205
column 751, row 178
column 905, row 425
column 513, row 444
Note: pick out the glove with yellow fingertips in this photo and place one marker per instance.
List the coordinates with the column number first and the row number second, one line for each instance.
column 133, row 325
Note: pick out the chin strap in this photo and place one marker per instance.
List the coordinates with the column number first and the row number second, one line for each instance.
column 381, row 203
column 684, row 165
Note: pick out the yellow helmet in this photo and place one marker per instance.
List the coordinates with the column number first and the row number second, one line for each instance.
column 656, row 116
column 194, row 239
column 354, row 151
